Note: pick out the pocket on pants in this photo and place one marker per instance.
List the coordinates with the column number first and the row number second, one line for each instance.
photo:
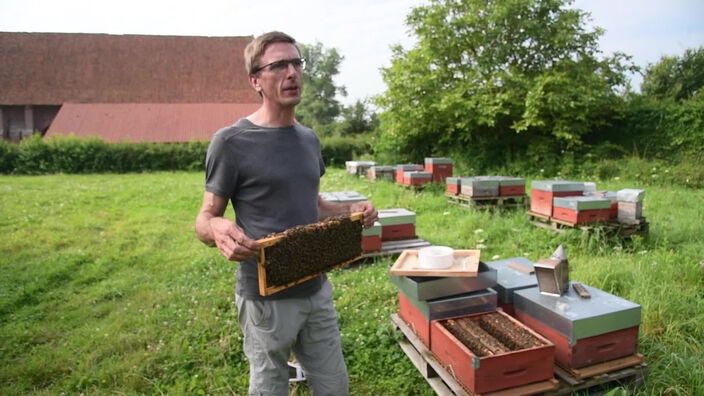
column 259, row 313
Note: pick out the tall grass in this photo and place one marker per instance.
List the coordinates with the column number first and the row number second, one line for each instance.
column 104, row 288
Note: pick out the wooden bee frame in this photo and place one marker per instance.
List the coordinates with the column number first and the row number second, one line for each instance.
column 265, row 286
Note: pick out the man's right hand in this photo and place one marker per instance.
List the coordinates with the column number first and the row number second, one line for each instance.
column 215, row 230
column 231, row 240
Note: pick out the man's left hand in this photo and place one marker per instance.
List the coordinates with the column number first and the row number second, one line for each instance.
column 368, row 211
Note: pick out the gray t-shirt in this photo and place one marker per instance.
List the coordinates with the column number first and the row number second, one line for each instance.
column 272, row 178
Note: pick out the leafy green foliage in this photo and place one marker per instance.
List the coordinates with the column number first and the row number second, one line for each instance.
column 497, row 78
column 73, row 155
column 675, row 78
column 319, row 107
column 355, row 119
column 338, row 149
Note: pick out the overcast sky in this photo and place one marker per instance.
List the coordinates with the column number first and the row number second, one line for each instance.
column 360, row 30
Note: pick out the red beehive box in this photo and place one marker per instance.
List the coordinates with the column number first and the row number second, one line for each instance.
column 416, row 178
column 453, row 185
column 543, row 192
column 495, row 372
column 581, row 217
column 419, row 313
column 585, row 331
column 397, row 224
column 400, row 169
column 581, row 210
column 440, row 168
column 512, row 190
column 371, row 238
column 587, row 351
column 511, row 186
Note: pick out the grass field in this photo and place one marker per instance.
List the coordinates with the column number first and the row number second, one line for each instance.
column 104, row 288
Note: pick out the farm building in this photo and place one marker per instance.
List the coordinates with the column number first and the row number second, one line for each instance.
column 134, row 88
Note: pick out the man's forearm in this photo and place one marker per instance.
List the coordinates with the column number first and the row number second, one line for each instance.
column 203, row 230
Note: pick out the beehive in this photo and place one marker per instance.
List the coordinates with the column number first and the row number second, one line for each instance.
column 304, row 252
column 491, row 352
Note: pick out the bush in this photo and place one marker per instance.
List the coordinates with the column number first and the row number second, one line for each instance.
column 73, row 155
column 8, row 156
column 338, row 149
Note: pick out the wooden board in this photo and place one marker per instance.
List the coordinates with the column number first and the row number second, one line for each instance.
column 503, row 201
column 466, row 263
column 264, row 288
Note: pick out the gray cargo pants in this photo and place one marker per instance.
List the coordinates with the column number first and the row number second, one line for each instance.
column 305, row 326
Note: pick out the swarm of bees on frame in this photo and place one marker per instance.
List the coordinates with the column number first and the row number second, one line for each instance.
column 312, row 249
column 491, row 334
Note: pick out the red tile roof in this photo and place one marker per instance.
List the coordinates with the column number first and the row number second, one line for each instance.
column 55, row 68
column 147, row 122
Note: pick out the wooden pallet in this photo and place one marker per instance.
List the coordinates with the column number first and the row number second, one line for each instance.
column 440, row 379
column 628, row 372
column 641, row 227
column 389, row 248
column 507, row 201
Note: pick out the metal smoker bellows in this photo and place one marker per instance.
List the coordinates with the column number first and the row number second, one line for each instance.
column 553, row 273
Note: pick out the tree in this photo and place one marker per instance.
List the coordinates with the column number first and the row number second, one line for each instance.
column 356, row 119
column 492, row 78
column 319, row 108
column 675, row 77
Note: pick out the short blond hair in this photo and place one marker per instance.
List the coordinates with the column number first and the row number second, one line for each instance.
column 256, row 48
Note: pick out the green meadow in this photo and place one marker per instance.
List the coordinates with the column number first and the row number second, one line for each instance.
column 105, row 289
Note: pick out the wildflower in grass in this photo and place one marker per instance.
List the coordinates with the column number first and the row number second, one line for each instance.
column 445, row 213
column 617, row 178
column 495, row 257
column 526, row 254
column 478, row 231
column 643, row 252
column 481, row 246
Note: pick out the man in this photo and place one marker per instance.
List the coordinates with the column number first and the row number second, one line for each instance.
column 269, row 167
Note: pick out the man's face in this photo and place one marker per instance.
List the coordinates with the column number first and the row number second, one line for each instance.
column 279, row 83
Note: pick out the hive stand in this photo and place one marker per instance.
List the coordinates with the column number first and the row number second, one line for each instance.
column 640, row 227
column 506, row 201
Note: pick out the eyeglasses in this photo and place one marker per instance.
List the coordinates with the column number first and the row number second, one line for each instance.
column 280, row 65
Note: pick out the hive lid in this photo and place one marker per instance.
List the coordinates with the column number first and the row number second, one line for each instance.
column 578, row 203
column 512, row 274
column 480, row 181
column 388, row 217
column 417, row 174
column 630, row 195
column 409, row 167
column 577, row 318
column 438, row 160
column 511, row 181
column 557, row 185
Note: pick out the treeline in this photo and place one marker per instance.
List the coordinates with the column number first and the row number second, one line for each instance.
column 73, row 155
column 523, row 86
